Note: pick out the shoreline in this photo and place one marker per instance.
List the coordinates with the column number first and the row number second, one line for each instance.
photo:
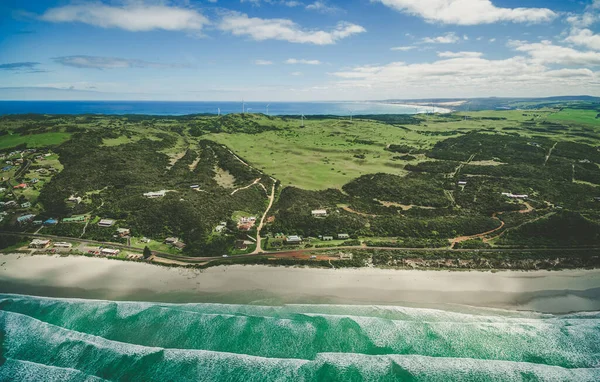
column 97, row 278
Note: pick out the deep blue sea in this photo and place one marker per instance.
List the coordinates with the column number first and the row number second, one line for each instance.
column 184, row 108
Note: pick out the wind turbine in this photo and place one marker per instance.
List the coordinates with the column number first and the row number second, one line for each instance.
column 351, row 112
column 268, row 108
column 219, row 111
column 302, row 118
column 243, row 106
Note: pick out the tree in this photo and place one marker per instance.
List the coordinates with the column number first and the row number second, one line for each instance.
column 147, row 252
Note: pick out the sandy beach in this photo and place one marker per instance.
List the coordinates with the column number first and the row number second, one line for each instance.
column 83, row 277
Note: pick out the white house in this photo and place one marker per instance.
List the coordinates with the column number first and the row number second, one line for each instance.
column 109, row 252
column 106, row 223
column 63, row 244
column 343, row 236
column 155, row 194
column 293, row 239
column 515, row 196
column 319, row 213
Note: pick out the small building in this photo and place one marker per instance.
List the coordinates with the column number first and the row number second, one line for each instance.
column 462, row 182
column 10, row 204
column 62, row 244
column 26, row 205
column 122, row 232
column 171, row 240
column 145, row 240
column 51, row 222
column 105, row 223
column 327, row 238
column 515, row 196
column 597, row 199
column 75, row 219
column 20, row 186
column 220, row 228
column 270, row 219
column 343, row 236
column 293, row 239
column 279, row 235
column 74, row 199
column 194, row 186
column 38, row 222
column 39, row 243
column 109, row 252
column 34, row 180
column 245, row 226
column 2, row 189
column 155, row 194
column 241, row 245
column 345, row 256
column 250, row 219
column 24, row 219
column 179, row 245
column 319, row 213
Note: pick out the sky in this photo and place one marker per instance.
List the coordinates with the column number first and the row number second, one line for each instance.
column 297, row 50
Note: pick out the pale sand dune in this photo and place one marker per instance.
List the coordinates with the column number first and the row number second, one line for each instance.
column 117, row 280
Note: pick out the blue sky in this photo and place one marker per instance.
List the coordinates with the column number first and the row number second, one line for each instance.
column 287, row 50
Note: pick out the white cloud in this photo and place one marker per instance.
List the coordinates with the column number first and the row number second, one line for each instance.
column 132, row 16
column 403, row 48
column 469, row 75
column 468, row 12
column 322, row 7
column 259, row 29
column 263, row 62
column 296, row 74
column 546, row 52
column 94, row 62
column 584, row 37
column 302, row 61
column 459, row 54
column 448, row 38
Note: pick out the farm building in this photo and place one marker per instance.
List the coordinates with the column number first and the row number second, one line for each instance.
column 74, row 219
column 109, row 252
column 25, row 218
column 39, row 243
column 51, row 222
column 122, row 232
column 293, row 239
column 155, row 194
column 171, row 240
column 106, row 223
column 62, row 244
column 319, row 213
column 515, row 196
column 343, row 236
column 462, row 182
column 327, row 238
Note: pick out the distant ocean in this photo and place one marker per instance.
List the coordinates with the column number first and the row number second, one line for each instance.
column 49, row 339
column 185, row 108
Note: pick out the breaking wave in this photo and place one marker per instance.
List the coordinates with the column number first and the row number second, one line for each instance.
column 89, row 340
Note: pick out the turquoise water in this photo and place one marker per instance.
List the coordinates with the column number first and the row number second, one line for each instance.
column 46, row 339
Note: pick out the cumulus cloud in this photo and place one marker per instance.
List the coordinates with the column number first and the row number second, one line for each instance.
column 584, row 37
column 131, row 16
column 448, row 38
column 322, row 7
column 545, row 52
column 475, row 76
column 94, row 62
column 260, row 29
column 302, row 61
column 468, row 12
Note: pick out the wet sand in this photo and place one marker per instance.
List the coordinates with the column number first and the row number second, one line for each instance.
column 83, row 277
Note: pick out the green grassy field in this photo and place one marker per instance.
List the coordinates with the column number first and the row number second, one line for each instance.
column 34, row 140
column 573, row 116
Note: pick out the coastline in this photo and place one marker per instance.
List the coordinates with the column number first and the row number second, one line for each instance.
column 97, row 278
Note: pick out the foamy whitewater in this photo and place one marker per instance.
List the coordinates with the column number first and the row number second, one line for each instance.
column 48, row 339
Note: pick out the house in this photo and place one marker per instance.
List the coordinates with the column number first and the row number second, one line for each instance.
column 245, row 226
column 171, row 240
column 195, row 186
column 2, row 189
column 34, row 180
column 74, row 199
column 20, row 186
column 75, row 219
column 293, row 239
column 250, row 219
column 220, row 228
column 515, row 196
column 597, row 198
column 241, row 245
column 319, row 213
column 51, row 222
column 270, row 219
column 155, row 194
column 26, row 205
column 62, row 244
column 462, row 183
column 109, row 252
column 179, row 245
column 105, row 223
column 10, row 204
column 327, row 238
column 145, row 240
column 39, row 243
column 345, row 256
column 122, row 232
column 343, row 236
column 24, row 219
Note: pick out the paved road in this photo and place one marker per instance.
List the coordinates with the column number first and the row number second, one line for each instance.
column 294, row 252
